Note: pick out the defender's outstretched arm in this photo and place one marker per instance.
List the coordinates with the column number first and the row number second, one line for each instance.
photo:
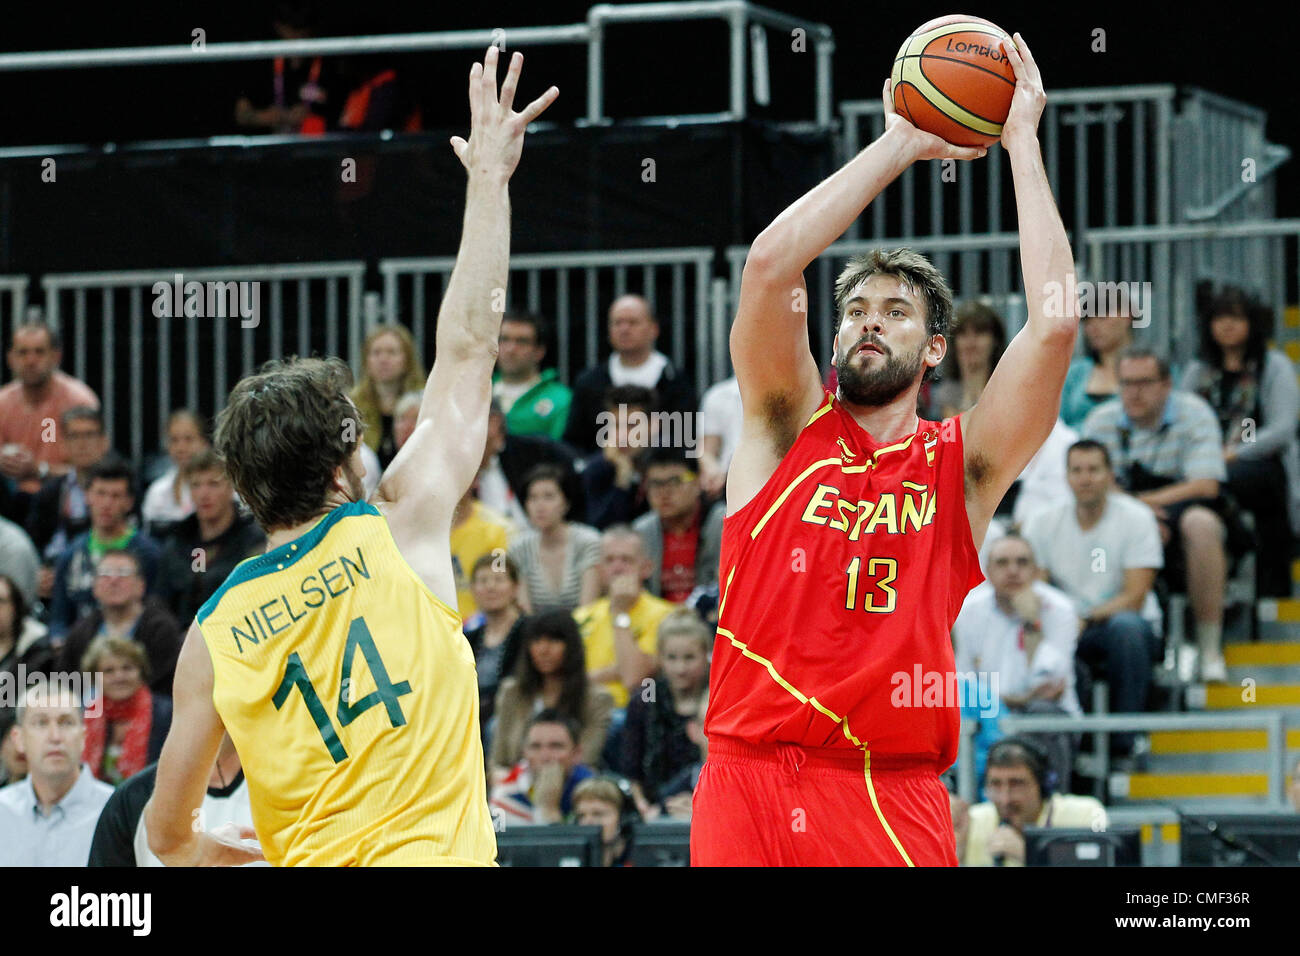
column 431, row 473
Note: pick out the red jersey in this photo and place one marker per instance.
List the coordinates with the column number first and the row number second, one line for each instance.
column 838, row 587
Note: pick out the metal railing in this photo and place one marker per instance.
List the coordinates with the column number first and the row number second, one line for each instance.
column 324, row 298
column 13, row 303
column 1226, row 160
column 984, row 266
column 746, row 23
column 1273, row 722
column 573, row 290
column 107, row 314
column 1263, row 256
column 1134, row 121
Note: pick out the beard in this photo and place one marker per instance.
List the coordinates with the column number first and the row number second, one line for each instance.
column 860, row 384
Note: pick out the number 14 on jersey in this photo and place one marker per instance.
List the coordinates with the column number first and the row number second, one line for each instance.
column 385, row 692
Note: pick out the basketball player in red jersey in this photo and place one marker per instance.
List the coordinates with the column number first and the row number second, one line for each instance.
column 853, row 527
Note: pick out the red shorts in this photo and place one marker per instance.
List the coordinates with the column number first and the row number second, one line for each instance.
column 782, row 805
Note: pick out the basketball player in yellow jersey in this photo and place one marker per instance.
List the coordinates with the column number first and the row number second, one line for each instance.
column 336, row 659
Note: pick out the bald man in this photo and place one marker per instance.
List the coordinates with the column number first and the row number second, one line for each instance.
column 633, row 331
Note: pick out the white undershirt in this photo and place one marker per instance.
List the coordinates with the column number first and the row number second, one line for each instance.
column 646, row 374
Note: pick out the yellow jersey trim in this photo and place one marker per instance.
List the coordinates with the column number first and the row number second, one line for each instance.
column 889, row 831
column 821, row 709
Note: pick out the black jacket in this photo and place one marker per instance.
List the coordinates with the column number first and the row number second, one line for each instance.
column 44, row 514
column 673, row 390
column 157, row 630
column 522, row 452
column 119, row 821
column 183, row 589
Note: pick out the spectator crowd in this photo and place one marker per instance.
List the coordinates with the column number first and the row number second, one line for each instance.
column 586, row 560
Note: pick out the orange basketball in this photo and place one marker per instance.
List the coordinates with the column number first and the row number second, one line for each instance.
column 952, row 79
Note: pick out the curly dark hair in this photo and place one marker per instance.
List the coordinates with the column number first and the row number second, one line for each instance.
column 284, row 432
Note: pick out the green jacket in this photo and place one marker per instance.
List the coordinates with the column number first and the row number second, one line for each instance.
column 542, row 410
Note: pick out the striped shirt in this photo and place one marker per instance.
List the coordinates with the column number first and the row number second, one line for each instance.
column 581, row 553
column 1185, row 446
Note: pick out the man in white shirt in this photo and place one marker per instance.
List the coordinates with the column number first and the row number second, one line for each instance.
column 720, row 420
column 1019, row 788
column 48, row 818
column 1021, row 629
column 1020, row 632
column 1103, row 549
column 633, row 332
column 1043, row 483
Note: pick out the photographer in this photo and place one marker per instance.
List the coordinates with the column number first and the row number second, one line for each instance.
column 1021, row 793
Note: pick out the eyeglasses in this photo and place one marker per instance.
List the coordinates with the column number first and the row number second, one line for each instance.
column 1139, row 382
column 677, row 481
column 115, row 573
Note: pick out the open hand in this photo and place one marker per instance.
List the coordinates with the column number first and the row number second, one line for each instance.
column 496, row 136
column 924, row 145
column 1029, row 98
column 225, row 846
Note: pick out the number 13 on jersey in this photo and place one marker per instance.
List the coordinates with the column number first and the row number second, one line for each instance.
column 882, row 603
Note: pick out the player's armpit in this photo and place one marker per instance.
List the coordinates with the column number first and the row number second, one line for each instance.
column 1014, row 415
column 769, row 343
column 171, row 817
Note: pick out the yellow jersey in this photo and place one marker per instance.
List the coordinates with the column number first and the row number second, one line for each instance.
column 483, row 532
column 350, row 693
column 596, row 624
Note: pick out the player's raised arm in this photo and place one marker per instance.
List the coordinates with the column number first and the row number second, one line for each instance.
column 436, row 465
column 1020, row 404
column 769, row 340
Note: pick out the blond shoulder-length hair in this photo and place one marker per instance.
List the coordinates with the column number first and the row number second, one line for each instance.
column 366, row 395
